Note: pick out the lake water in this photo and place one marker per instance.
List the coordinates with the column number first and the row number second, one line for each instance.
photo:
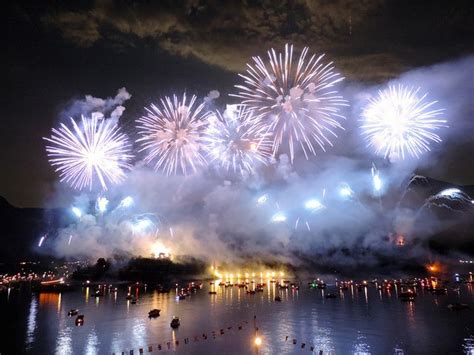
column 358, row 322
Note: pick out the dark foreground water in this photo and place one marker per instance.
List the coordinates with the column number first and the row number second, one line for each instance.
column 366, row 322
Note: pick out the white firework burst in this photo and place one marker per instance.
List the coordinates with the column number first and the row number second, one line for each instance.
column 172, row 135
column 233, row 144
column 92, row 150
column 295, row 101
column 400, row 121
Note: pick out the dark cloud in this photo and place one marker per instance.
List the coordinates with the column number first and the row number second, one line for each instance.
column 371, row 40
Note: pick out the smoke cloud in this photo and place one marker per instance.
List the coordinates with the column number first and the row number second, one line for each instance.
column 111, row 107
column 220, row 217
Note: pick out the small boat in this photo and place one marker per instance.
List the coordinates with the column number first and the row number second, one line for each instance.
column 181, row 296
column 73, row 312
column 96, row 294
column 212, row 292
column 80, row 320
column 259, row 289
column 439, row 291
column 154, row 313
column 129, row 297
column 321, row 285
column 277, row 299
column 457, row 306
column 331, row 295
column 133, row 300
column 251, row 292
column 407, row 295
column 175, row 322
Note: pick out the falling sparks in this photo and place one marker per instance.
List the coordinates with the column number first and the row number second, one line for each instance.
column 126, row 202
column 313, row 205
column 295, row 101
column 376, row 180
column 101, row 204
column 262, row 199
column 399, row 122
column 345, row 191
column 41, row 241
column 279, row 217
column 76, row 211
column 172, row 135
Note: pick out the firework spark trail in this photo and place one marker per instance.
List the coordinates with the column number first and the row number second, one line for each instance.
column 172, row 134
column 294, row 104
column 96, row 150
column 399, row 121
column 233, row 144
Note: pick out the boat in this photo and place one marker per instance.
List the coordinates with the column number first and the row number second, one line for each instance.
column 73, row 312
column 277, row 299
column 457, row 306
column 80, row 320
column 407, row 296
column 212, row 292
column 154, row 313
column 259, row 289
column 96, row 294
column 175, row 322
column 331, row 295
column 181, row 296
column 439, row 291
column 133, row 300
column 129, row 297
column 251, row 292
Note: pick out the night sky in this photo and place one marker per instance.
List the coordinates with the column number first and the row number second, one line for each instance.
column 58, row 52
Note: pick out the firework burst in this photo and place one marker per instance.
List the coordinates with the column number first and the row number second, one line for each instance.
column 399, row 121
column 295, row 101
column 233, row 144
column 172, row 135
column 92, row 150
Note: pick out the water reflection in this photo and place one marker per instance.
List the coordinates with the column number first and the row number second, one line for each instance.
column 64, row 341
column 367, row 323
column 31, row 324
column 92, row 345
column 468, row 345
column 361, row 347
column 49, row 299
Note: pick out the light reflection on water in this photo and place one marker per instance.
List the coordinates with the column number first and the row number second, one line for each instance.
column 468, row 345
column 92, row 346
column 370, row 321
column 31, row 324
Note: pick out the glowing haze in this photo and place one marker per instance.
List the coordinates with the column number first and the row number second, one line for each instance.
column 332, row 208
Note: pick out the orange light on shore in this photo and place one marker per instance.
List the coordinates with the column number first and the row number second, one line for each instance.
column 400, row 240
column 434, row 267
